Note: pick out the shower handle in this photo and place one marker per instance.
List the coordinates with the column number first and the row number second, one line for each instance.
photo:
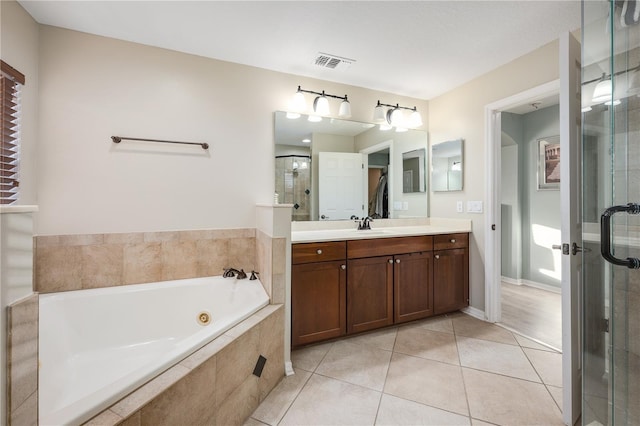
column 605, row 235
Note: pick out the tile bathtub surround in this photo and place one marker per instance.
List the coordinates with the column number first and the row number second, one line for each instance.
column 74, row 262
column 438, row 371
column 22, row 362
column 214, row 385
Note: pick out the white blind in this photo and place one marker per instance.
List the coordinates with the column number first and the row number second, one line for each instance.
column 11, row 82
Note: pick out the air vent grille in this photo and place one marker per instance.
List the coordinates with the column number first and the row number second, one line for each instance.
column 333, row 62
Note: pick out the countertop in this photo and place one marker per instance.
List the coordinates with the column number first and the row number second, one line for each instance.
column 318, row 235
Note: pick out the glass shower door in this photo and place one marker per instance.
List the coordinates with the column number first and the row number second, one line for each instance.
column 611, row 219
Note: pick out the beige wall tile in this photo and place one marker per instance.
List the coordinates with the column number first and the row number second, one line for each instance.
column 279, row 255
column 27, row 413
column 124, row 238
column 22, row 352
column 106, row 418
column 191, row 401
column 102, row 265
column 238, row 406
column 235, row 362
column 146, row 393
column 206, row 352
column 46, row 241
column 234, row 233
column 242, row 253
column 142, row 263
column 58, row 268
column 179, row 260
column 195, row 235
column 278, row 288
column 211, row 257
column 133, row 420
column 158, row 237
column 81, row 239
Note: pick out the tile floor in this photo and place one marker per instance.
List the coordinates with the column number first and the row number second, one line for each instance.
column 447, row 370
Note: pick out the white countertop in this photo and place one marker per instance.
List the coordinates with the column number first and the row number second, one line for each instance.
column 317, row 235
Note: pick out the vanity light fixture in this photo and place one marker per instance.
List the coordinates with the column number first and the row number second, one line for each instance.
column 603, row 90
column 392, row 115
column 320, row 104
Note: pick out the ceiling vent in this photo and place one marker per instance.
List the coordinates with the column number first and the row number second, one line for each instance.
column 325, row 60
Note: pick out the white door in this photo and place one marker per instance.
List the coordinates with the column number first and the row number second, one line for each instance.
column 340, row 183
column 571, row 232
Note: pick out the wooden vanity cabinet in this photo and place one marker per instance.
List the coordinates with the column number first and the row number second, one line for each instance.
column 318, row 292
column 394, row 287
column 369, row 293
column 413, row 286
column 450, row 272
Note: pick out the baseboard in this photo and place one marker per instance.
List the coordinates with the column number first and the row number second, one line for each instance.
column 512, row 281
column 534, row 284
column 288, row 369
column 541, row 286
column 474, row 312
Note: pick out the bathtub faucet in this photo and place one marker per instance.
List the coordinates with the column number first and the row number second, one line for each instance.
column 232, row 272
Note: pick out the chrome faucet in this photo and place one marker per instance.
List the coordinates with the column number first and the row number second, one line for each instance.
column 365, row 224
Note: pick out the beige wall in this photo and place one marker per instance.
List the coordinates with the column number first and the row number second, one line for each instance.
column 94, row 87
column 460, row 114
column 19, row 48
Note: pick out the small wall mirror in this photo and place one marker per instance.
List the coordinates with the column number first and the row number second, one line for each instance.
column 413, row 171
column 447, row 166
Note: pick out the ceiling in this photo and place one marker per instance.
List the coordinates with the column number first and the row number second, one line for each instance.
column 420, row 49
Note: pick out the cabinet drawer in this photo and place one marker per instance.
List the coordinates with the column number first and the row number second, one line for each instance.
column 318, row 252
column 450, row 241
column 388, row 246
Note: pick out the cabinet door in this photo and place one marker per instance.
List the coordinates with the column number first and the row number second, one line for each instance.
column 450, row 280
column 413, row 286
column 369, row 293
column 318, row 302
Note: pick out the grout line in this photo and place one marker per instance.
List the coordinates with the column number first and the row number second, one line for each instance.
column 294, row 398
column 464, row 384
column 540, row 342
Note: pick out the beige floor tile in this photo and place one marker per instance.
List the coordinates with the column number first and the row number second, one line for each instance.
column 496, row 358
column 326, row 401
column 398, row 411
column 280, row 398
column 556, row 393
column 427, row 344
column 465, row 325
column 309, row 358
column 476, row 422
column 422, row 380
column 547, row 364
column 381, row 339
column 253, row 422
column 442, row 323
column 528, row 343
column 505, row 400
column 360, row 365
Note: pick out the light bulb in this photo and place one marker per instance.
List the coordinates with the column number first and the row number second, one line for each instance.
column 321, row 105
column 298, row 103
column 345, row 108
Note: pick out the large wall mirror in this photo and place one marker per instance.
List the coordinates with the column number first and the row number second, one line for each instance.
column 447, row 166
column 334, row 169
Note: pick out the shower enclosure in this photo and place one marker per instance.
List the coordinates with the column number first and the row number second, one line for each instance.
column 611, row 223
column 293, row 184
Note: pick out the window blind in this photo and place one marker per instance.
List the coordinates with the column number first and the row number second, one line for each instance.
column 11, row 82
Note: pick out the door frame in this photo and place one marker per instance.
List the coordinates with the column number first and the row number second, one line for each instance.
column 370, row 150
column 493, row 189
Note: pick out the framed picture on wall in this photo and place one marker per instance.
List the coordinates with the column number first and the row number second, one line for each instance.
column 549, row 163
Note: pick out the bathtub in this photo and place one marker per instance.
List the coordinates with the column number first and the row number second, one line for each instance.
column 98, row 345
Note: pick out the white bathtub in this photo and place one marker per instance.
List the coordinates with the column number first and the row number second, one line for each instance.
column 98, row 345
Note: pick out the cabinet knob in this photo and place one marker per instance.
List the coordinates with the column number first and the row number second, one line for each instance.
column 397, row 260
column 437, row 256
column 319, row 251
column 453, row 240
column 343, row 266
column 390, row 260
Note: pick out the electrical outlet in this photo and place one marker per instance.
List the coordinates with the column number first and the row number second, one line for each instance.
column 405, row 205
column 397, row 205
column 460, row 207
